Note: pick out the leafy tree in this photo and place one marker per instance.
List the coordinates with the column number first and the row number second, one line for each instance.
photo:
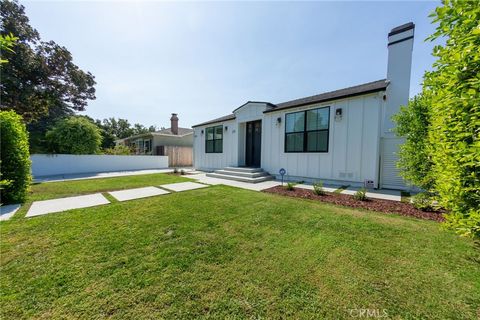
column 15, row 158
column 7, row 42
column 413, row 123
column 40, row 76
column 453, row 91
column 74, row 135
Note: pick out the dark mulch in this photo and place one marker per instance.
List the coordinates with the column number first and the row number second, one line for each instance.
column 385, row 206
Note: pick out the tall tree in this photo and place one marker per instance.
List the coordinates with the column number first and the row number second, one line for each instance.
column 40, row 76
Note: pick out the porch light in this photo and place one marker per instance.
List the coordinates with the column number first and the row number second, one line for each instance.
column 279, row 120
column 226, row 128
column 201, row 131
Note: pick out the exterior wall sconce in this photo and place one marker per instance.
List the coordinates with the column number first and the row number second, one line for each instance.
column 201, row 131
column 338, row 114
column 226, row 128
column 279, row 120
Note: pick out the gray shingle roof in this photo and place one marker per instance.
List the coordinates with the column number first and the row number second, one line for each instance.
column 224, row 118
column 181, row 131
column 365, row 88
column 370, row 87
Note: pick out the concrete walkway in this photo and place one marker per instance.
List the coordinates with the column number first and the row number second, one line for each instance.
column 383, row 194
column 63, row 204
column 137, row 193
column 202, row 178
column 6, row 212
column 183, row 186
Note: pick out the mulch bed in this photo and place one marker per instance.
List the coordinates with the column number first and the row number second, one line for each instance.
column 385, row 206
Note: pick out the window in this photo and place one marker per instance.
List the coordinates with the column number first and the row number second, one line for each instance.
column 214, row 139
column 307, row 131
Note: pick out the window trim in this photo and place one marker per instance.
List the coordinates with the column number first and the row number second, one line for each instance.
column 305, row 132
column 214, row 139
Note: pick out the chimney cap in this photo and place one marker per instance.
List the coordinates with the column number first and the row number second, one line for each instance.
column 402, row 28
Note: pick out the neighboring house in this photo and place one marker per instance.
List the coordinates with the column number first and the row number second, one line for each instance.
column 342, row 137
column 175, row 142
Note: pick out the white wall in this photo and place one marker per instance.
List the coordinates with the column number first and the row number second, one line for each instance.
column 212, row 161
column 46, row 165
column 353, row 152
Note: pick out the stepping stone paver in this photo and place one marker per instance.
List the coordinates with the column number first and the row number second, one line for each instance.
column 137, row 193
column 183, row 186
column 63, row 204
column 6, row 212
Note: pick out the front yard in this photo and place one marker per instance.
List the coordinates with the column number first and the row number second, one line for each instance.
column 223, row 252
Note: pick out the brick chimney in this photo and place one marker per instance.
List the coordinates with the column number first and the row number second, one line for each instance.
column 174, row 123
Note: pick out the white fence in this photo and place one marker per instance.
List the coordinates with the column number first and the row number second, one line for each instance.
column 57, row 164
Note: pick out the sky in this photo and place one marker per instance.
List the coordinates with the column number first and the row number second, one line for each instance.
column 204, row 59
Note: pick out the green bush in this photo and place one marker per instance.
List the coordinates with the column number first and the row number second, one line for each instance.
column 15, row 158
column 361, row 195
column 318, row 188
column 74, row 135
column 290, row 186
column 120, row 149
column 413, row 123
column 454, row 90
column 423, row 201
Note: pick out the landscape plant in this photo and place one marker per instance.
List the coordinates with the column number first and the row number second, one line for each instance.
column 446, row 152
column 120, row 149
column 74, row 135
column 318, row 188
column 15, row 158
column 361, row 194
column 423, row 201
column 290, row 186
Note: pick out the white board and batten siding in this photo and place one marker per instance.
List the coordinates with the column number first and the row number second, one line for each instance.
column 212, row 161
column 353, row 150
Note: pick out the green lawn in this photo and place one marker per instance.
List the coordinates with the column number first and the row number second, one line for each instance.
column 222, row 252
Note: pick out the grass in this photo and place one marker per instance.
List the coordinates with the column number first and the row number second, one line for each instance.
column 53, row 190
column 222, row 252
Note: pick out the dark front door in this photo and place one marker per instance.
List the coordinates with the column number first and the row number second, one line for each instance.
column 253, row 143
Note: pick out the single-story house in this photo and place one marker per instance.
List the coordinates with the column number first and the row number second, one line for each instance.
column 339, row 137
column 175, row 142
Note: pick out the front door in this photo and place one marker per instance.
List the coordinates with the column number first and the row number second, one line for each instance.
column 253, row 143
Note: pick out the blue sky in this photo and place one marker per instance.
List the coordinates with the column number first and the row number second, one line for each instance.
column 204, row 59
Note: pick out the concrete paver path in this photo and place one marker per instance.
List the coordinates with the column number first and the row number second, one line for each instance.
column 137, row 193
column 183, row 186
column 6, row 212
column 58, row 205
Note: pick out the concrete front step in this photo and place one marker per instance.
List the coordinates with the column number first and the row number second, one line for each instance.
column 238, row 178
column 243, row 169
column 242, row 174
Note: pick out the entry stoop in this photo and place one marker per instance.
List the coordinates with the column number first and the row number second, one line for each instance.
column 252, row 175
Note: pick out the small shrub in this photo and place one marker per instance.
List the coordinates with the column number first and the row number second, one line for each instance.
column 423, row 201
column 175, row 170
column 182, row 172
column 119, row 150
column 15, row 158
column 361, row 195
column 290, row 186
column 318, row 188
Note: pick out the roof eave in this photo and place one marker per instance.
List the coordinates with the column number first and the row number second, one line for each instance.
column 278, row 109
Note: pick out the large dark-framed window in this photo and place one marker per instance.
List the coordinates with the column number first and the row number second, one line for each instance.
column 214, row 139
column 308, row 130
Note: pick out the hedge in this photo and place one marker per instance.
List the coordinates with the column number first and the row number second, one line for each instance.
column 15, row 158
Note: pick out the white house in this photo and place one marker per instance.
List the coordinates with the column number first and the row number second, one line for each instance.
column 339, row 137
